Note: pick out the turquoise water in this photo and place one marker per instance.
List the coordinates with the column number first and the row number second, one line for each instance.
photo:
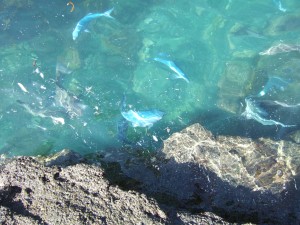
column 63, row 93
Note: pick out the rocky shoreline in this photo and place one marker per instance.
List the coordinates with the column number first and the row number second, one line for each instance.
column 196, row 178
column 31, row 193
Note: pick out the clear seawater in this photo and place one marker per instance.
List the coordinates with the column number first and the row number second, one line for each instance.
column 216, row 43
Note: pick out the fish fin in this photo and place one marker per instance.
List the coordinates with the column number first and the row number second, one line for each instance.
column 87, row 31
column 174, row 76
column 135, row 124
column 107, row 13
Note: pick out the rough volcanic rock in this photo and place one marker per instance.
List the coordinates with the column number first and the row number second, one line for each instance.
column 31, row 193
column 74, row 195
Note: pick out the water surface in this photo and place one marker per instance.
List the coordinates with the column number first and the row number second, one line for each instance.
column 74, row 99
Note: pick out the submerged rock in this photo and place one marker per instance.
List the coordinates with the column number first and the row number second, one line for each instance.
column 234, row 85
column 263, row 165
column 237, row 177
column 63, row 158
column 295, row 136
column 16, row 3
column 240, row 179
column 71, row 58
column 283, row 24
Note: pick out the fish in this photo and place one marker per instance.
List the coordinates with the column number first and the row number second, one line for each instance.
column 246, row 31
column 68, row 102
column 137, row 119
column 143, row 118
column 178, row 72
column 57, row 120
column 253, row 111
column 62, row 101
column 287, row 105
column 279, row 111
column 279, row 5
column 22, row 87
column 273, row 84
column 83, row 23
column 280, row 48
column 31, row 111
column 42, row 114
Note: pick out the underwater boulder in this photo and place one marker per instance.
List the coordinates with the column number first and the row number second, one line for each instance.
column 284, row 65
column 295, row 136
column 234, row 85
column 240, row 178
column 71, row 58
column 283, row 24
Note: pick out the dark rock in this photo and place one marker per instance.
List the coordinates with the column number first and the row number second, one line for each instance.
column 73, row 195
column 31, row 193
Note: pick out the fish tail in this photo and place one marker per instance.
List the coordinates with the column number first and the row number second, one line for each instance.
column 107, row 13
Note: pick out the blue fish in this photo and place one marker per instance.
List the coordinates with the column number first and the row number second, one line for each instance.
column 273, row 84
column 178, row 72
column 142, row 118
column 83, row 23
